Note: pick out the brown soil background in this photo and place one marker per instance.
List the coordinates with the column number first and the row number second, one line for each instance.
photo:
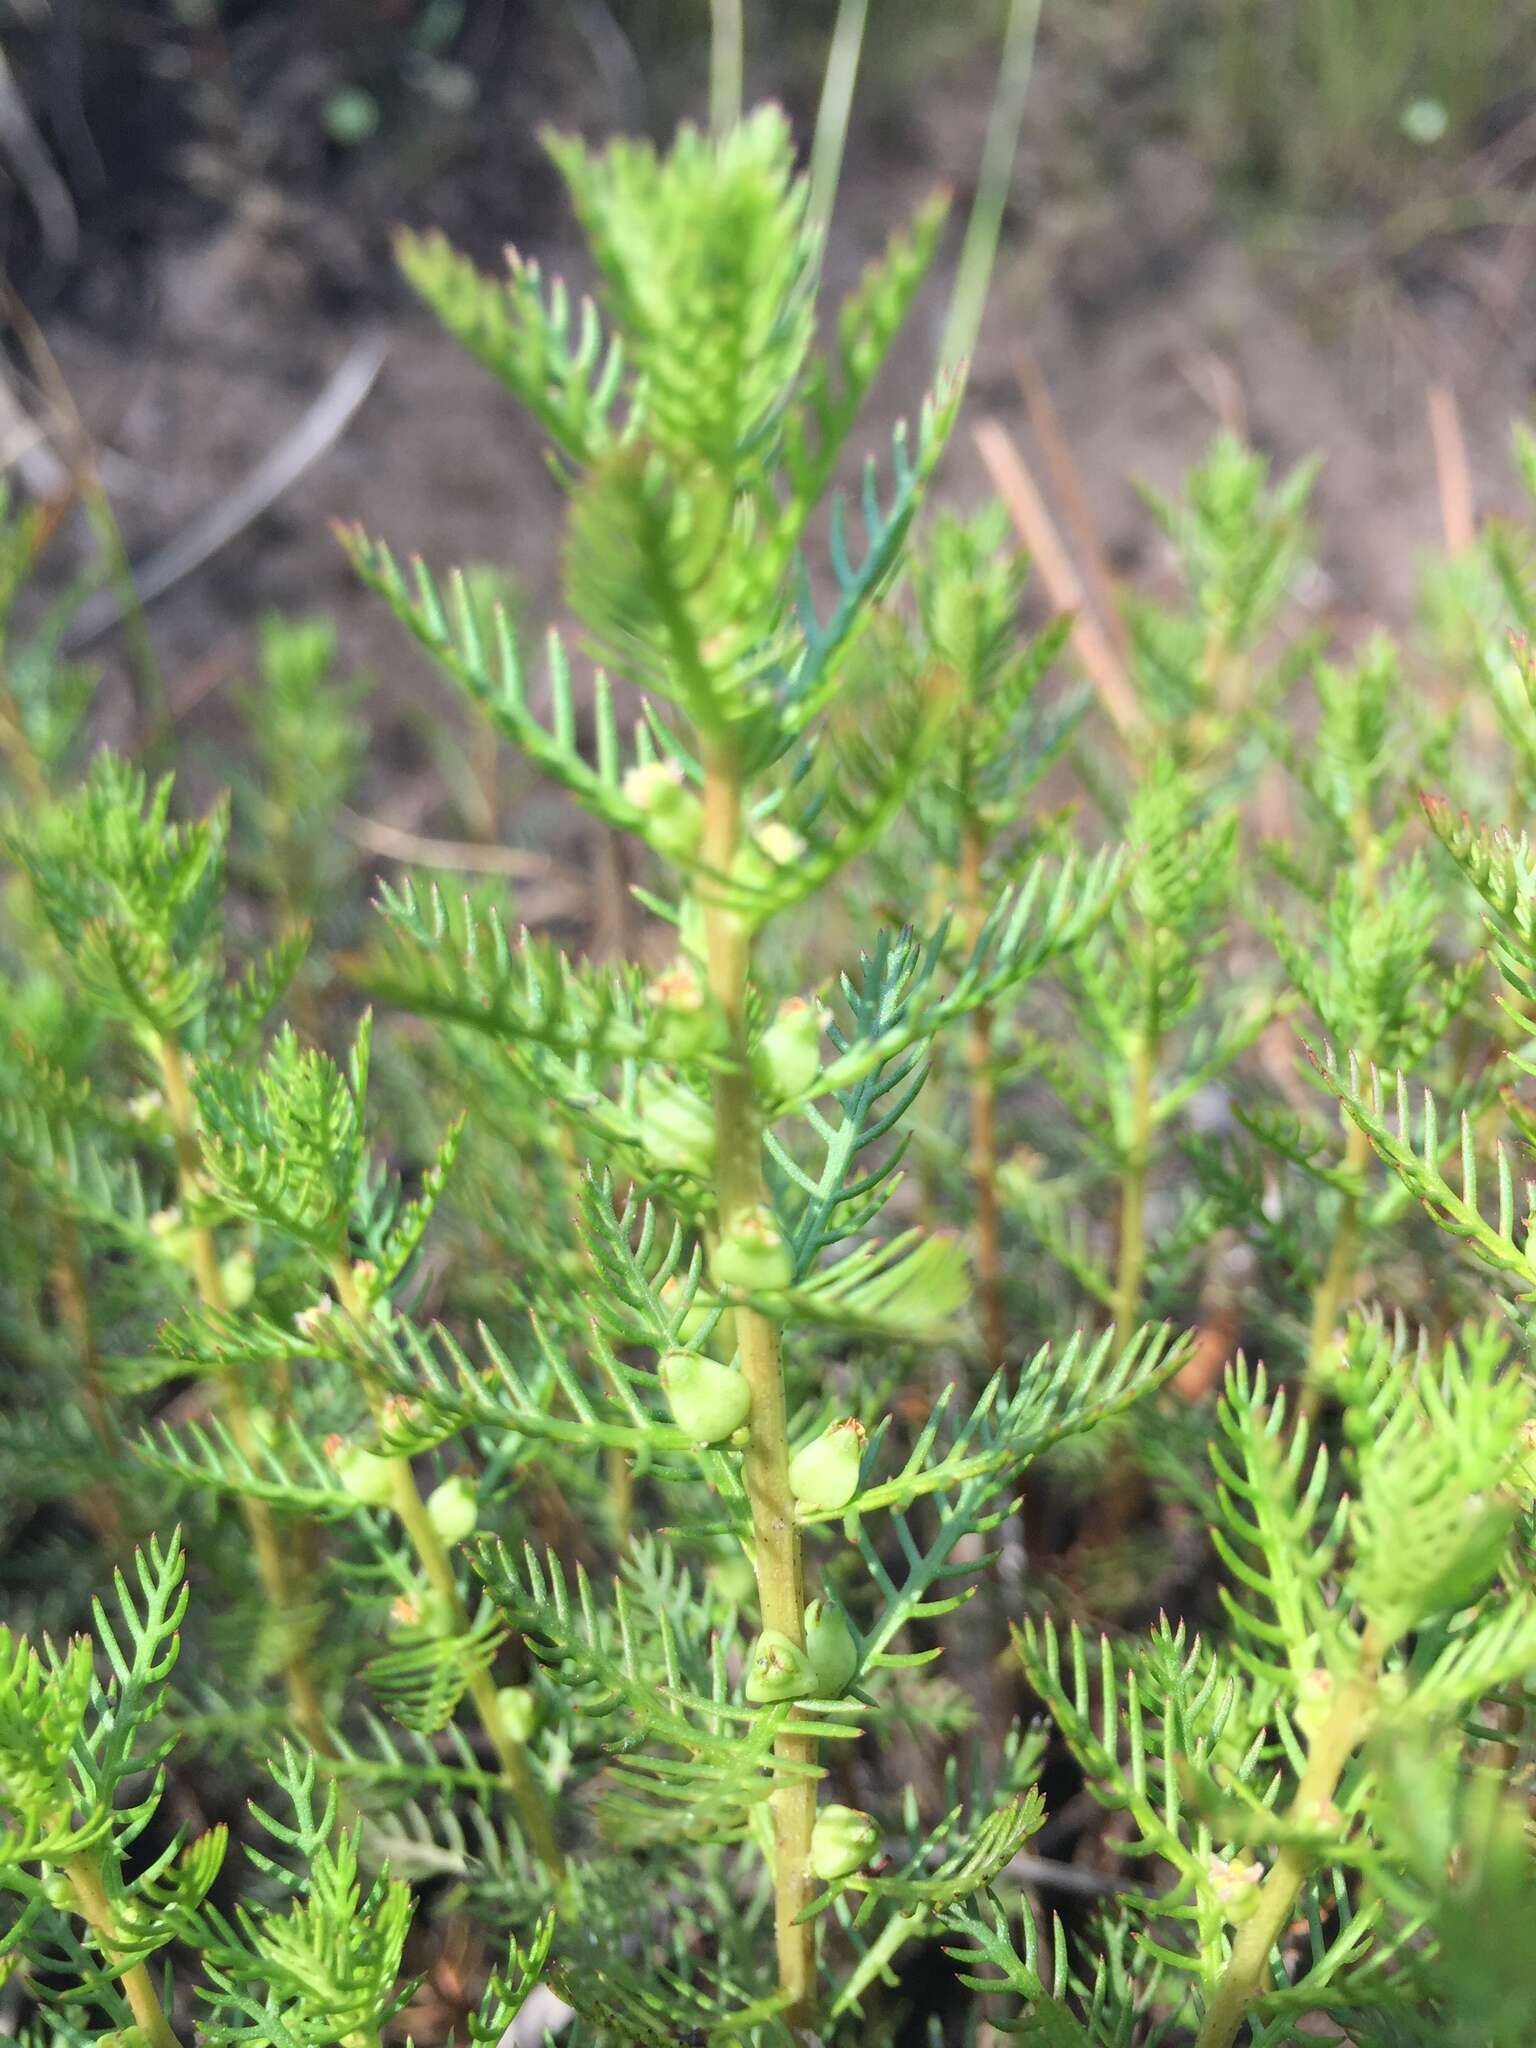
column 231, row 255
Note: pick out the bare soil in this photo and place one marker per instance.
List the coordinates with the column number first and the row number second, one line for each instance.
column 229, row 263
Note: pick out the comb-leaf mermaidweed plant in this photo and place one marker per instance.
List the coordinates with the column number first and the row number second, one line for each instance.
column 573, row 1526
column 698, row 440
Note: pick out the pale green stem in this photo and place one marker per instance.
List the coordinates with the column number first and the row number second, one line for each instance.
column 765, row 1464
column 1327, row 1755
column 973, row 276
column 834, row 108
column 727, row 47
column 96, row 1909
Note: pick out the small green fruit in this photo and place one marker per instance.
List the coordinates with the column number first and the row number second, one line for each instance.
column 237, row 1277
column 760, row 863
column 780, row 1671
column 752, row 1254
column 454, row 1508
column 674, row 817
column 1236, row 1885
column 787, row 1058
column 842, row 1841
column 679, row 1130
column 826, row 1473
column 367, row 1478
column 709, row 1401
column 689, row 1024
column 831, row 1648
column 519, row 1712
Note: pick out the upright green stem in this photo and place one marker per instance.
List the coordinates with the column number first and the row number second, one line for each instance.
column 432, row 1555
column 983, row 1120
column 740, row 1187
column 727, row 55
column 274, row 1568
column 1327, row 1755
column 1338, row 1278
column 72, row 1303
column 973, row 274
column 84, row 1876
column 1131, row 1267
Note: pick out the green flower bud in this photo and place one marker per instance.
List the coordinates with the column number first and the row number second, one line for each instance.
column 787, row 1058
column 771, row 849
column 454, row 1508
column 519, row 1712
column 177, row 1237
column 689, row 1023
column 826, row 1473
column 831, row 1648
column 780, row 1671
column 709, row 1401
column 237, row 1277
column 674, row 817
column 367, row 1478
column 842, row 1841
column 1236, row 1886
column 752, row 1254
column 679, row 1130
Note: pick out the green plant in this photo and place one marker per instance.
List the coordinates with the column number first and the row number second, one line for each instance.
column 579, row 1428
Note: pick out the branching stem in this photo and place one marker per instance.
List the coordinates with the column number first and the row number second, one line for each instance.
column 280, row 1581
column 765, row 1465
column 432, row 1555
column 1327, row 1755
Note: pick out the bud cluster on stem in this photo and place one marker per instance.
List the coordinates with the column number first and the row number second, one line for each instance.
column 740, row 1194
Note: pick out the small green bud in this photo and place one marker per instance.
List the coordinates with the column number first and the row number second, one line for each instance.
column 367, row 1478
column 842, row 1841
column 673, row 814
column 780, row 1671
column 689, row 1024
column 752, row 1254
column 826, row 1473
column 519, row 1712
column 771, row 849
column 709, row 1401
column 237, row 1277
column 831, row 1648
column 679, row 1130
column 1236, row 1886
column 454, row 1508
column 787, row 1058
column 176, row 1235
